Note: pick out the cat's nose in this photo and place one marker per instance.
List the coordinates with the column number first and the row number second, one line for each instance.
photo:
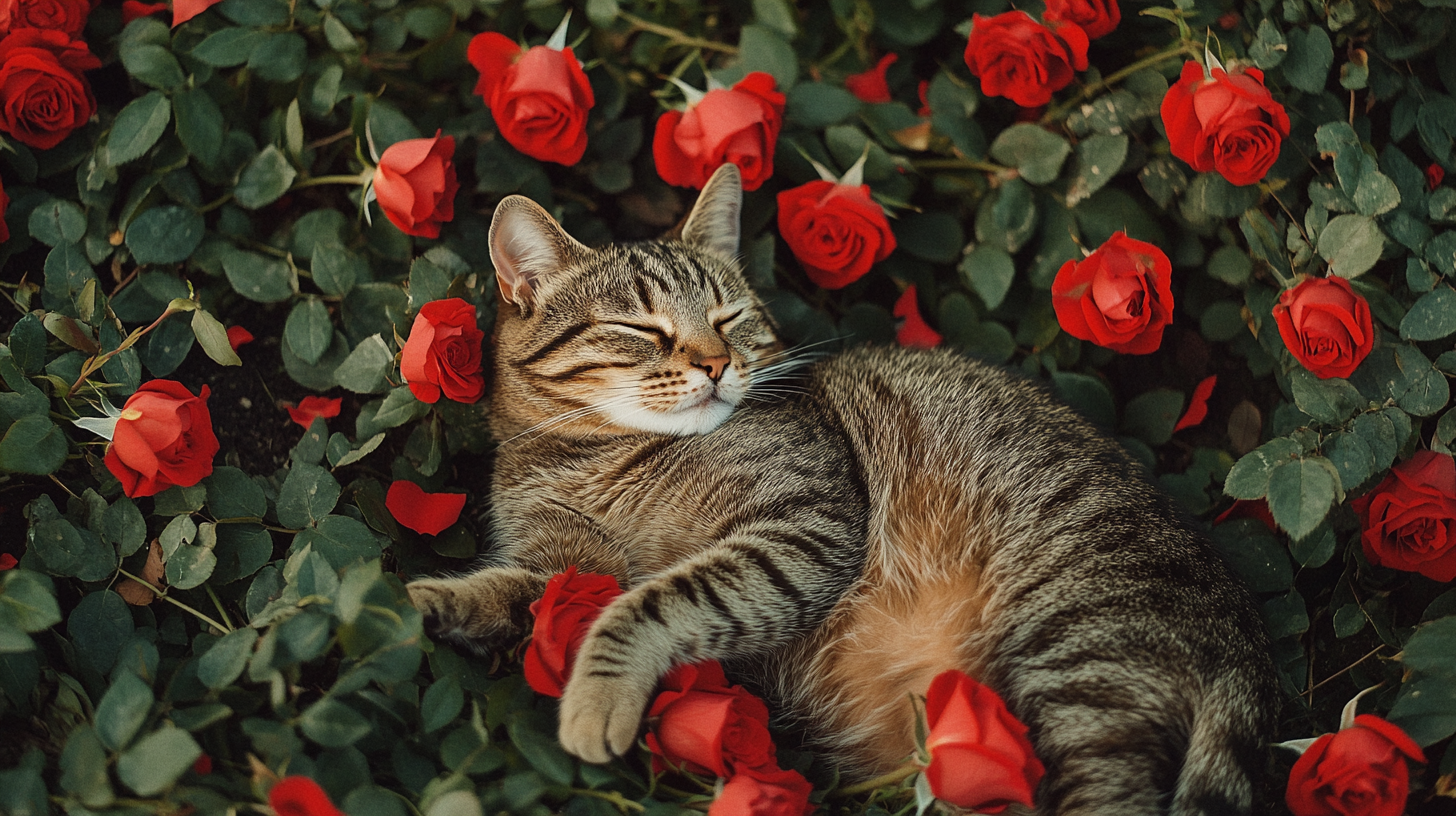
column 714, row 366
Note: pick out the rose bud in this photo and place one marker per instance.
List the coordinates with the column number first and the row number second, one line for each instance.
column 707, row 725
column 834, row 228
column 415, row 184
column 1096, row 17
column 980, row 756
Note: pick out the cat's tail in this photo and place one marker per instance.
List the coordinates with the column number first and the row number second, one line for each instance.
column 1225, row 754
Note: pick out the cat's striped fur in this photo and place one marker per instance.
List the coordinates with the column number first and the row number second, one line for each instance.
column 896, row 514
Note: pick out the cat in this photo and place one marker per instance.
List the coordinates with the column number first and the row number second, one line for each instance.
column 840, row 539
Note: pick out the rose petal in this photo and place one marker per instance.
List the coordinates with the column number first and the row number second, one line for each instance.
column 427, row 513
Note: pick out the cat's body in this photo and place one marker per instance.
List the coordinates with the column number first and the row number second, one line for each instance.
column 899, row 514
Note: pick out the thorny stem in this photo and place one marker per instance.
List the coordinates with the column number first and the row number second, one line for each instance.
column 677, row 37
column 95, row 363
column 169, row 599
column 900, row 774
column 1058, row 112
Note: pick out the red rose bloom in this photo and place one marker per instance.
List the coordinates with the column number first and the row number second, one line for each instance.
column 564, row 615
column 1409, row 519
column 914, row 331
column 442, row 354
column 163, row 438
column 707, row 725
column 870, row 86
column 300, row 796
column 1096, row 17
column 415, row 184
column 835, row 230
column 766, row 791
column 43, row 96
column 1023, row 60
column 539, row 98
column 56, row 15
column 1225, row 122
column 311, row 408
column 980, row 757
column 1326, row 326
column 427, row 513
column 1119, row 297
column 1357, row 771
column 739, row 125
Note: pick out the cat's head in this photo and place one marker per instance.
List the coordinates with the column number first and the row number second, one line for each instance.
column 662, row 336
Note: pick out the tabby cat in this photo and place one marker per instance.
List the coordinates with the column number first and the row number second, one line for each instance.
column 842, row 539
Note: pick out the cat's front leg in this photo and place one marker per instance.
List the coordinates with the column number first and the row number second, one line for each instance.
column 487, row 610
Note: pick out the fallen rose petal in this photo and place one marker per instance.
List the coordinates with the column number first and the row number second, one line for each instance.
column 237, row 336
column 1197, row 404
column 428, row 513
column 184, row 10
column 7, row 561
column 914, row 332
column 870, row 86
column 311, row 408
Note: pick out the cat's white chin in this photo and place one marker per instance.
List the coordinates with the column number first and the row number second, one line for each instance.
column 699, row 418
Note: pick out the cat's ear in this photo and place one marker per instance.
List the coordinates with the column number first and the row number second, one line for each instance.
column 527, row 247
column 713, row 223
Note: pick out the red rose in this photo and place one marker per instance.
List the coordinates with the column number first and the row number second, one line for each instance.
column 43, row 96
column 980, row 757
column 766, row 791
column 163, row 438
column 1409, row 519
column 1225, row 122
column 415, row 184
column 539, row 98
column 1096, row 17
column 1357, row 771
column 914, row 331
column 870, row 86
column 311, row 408
column 1023, row 60
column 4, row 205
column 1119, row 297
column 1325, row 325
column 57, row 15
column 835, row 230
column 300, row 796
column 738, row 125
column 708, row 726
column 442, row 354
column 427, row 513
column 563, row 616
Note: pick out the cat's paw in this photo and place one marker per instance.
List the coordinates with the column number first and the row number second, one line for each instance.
column 600, row 716
column 488, row 610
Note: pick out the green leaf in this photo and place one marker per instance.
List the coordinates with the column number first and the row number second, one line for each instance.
column 221, row 665
column 158, row 760
column 122, row 710
column 761, row 48
column 241, row 549
column 228, row 47
column 333, row 724
column 1330, row 400
column 1213, row 196
column 427, row 282
column 190, row 566
column 265, row 179
column 541, row 750
column 232, row 494
column 1432, row 649
column 71, row 551
column 1099, row 157
column 1151, row 416
column 309, row 330
column 27, row 603
column 99, row 626
column 1249, row 477
column 307, row 495
column 441, row 704
column 366, row 369
column 1011, row 218
column 989, row 272
column 164, row 235
column 1426, row 709
column 1301, row 492
column 27, row 344
column 124, row 527
column 1309, row 59
column 213, row 337
column 1352, row 458
column 57, row 222
column 1255, row 555
column 139, row 125
column 1352, row 244
column 1269, row 47
column 1036, row 153
column 335, row 269
column 34, row 445
column 153, row 65
column 258, row 277
column 83, row 769
column 369, row 446
column 817, row 105
column 340, row 540
column 1432, row 317
column 281, row 57
column 1316, row 549
column 933, row 236
column 1286, row 615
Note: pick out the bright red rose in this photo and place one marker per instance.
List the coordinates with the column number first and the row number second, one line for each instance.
column 300, row 796
column 4, row 205
column 870, row 86
column 1120, row 296
column 739, row 125
column 766, row 791
column 311, row 408
column 163, row 438
column 980, row 757
column 442, row 354
column 1096, row 17
column 1326, row 326
column 539, row 98
column 706, row 725
column 1224, row 122
column 57, row 15
column 1356, row 771
column 914, row 331
column 415, row 184
column 43, row 94
column 1409, row 519
column 563, row 617
column 1023, row 60
column 427, row 513
column 835, row 230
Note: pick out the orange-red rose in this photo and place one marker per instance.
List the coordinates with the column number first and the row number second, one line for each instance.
column 300, row 796
column 1409, row 519
column 58, row 15
column 415, row 184
column 1023, row 60
column 1120, row 296
column 163, row 438
column 1224, row 121
column 427, row 513
column 738, row 125
column 706, row 725
column 442, row 354
column 43, row 95
column 1356, row 771
column 539, row 98
column 765, row 791
column 1326, row 326
column 980, row 757
column 835, row 230
column 1096, row 17
column 564, row 615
